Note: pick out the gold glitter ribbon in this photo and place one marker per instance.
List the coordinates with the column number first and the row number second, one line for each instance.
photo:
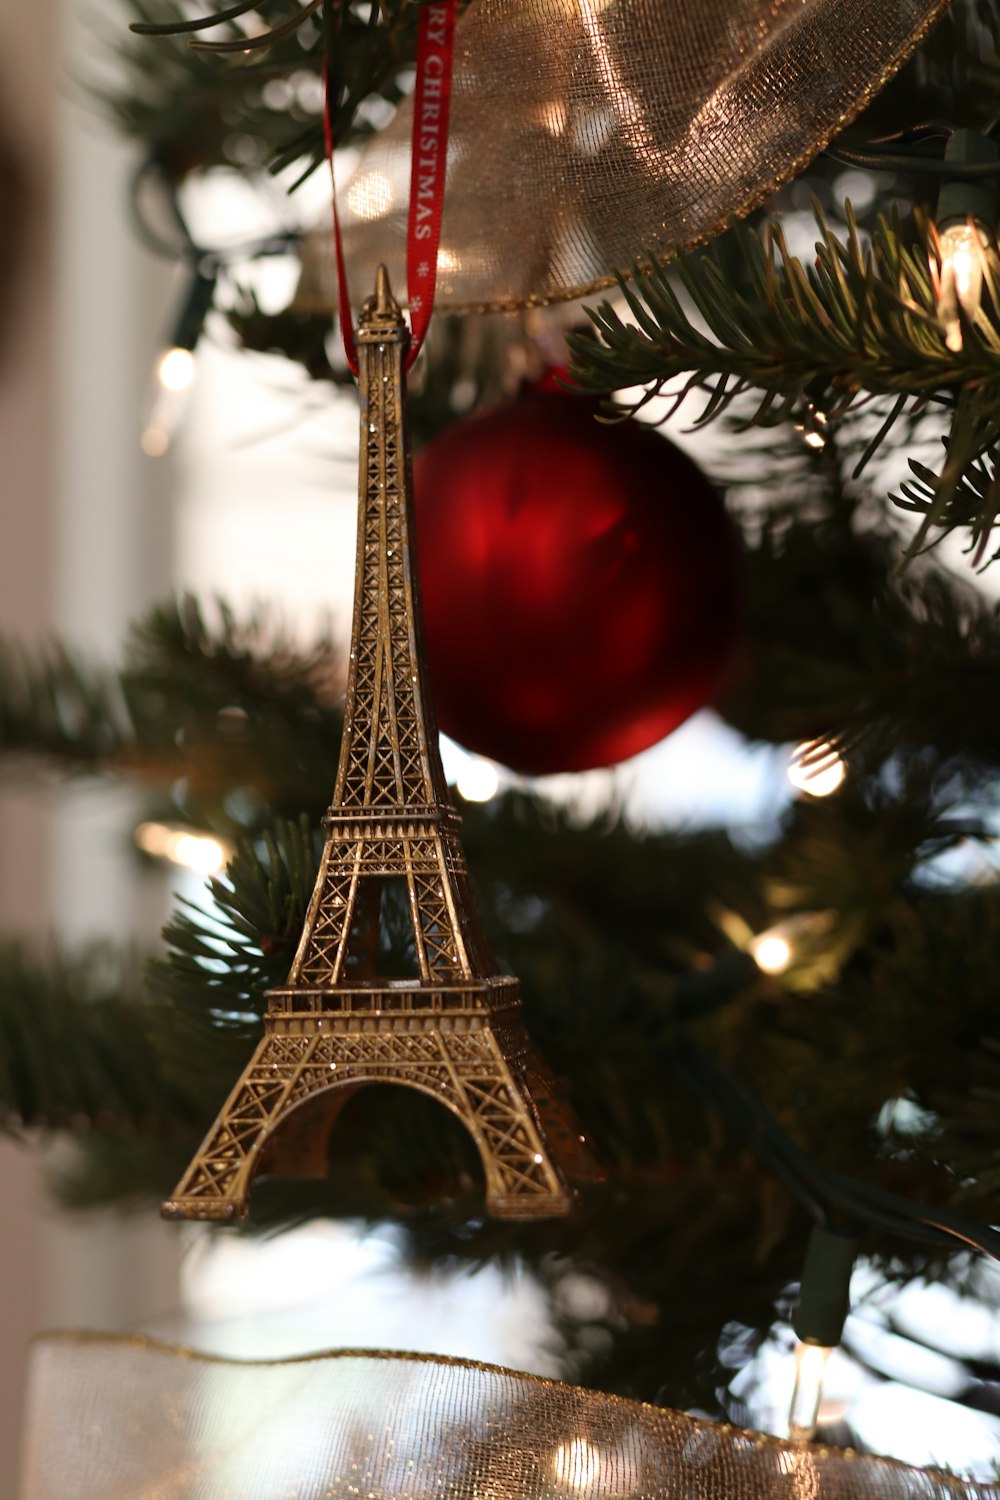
column 113, row 1418
column 585, row 133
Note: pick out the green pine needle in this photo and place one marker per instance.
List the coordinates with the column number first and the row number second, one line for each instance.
column 861, row 322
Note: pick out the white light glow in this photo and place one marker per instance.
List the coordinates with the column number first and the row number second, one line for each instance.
column 815, row 429
column 194, row 851
column 370, row 197
column 961, row 286
column 173, row 377
column 478, row 780
column 810, row 1371
column 771, row 952
column 176, row 369
column 552, row 117
column 815, row 767
column 577, row 1463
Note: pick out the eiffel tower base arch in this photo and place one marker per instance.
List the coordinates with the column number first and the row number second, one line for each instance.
column 482, row 1066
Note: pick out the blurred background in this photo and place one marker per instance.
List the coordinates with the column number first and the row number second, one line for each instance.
column 254, row 499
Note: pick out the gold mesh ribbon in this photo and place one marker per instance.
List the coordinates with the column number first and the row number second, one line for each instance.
column 130, row 1419
column 585, row 132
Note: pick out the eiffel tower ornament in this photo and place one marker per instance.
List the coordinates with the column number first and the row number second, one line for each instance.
column 455, row 1031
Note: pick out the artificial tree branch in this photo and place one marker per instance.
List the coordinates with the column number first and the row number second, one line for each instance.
column 77, row 1045
column 194, row 108
column 201, row 695
column 860, row 323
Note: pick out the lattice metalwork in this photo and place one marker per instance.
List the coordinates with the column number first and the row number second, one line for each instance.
column 454, row 1031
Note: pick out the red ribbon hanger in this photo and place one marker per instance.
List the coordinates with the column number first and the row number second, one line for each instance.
column 428, row 170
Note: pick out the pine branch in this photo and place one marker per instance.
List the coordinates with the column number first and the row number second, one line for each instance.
column 857, row 324
column 965, row 495
column 77, row 1048
column 617, row 942
column 304, row 337
column 225, row 704
column 842, row 648
column 250, row 726
column 616, row 947
column 194, row 108
column 221, row 959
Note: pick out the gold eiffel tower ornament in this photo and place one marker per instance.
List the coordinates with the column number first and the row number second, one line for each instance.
column 455, row 1030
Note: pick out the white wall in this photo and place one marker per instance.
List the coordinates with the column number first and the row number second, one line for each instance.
column 83, row 529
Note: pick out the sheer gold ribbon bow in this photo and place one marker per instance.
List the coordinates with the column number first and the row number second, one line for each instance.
column 586, row 132
column 129, row 1419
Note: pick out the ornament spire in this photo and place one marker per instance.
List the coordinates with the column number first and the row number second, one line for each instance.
column 385, row 302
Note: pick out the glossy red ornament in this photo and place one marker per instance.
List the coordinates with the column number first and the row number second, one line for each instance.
column 581, row 584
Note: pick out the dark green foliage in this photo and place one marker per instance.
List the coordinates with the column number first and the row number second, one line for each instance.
column 107, row 1075
column 859, row 323
column 836, row 653
column 226, row 717
column 628, row 947
column 310, row 335
column 193, row 109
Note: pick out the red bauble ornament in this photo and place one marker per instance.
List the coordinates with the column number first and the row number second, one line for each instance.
column 581, row 584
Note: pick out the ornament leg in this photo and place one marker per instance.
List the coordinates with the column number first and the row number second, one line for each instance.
column 521, row 1180
column 217, row 1183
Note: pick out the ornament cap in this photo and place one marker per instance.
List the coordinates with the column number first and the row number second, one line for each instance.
column 962, row 198
column 385, row 302
column 381, row 316
column 825, row 1291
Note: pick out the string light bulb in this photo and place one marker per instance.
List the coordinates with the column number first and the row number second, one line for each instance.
column 577, row 1464
column 820, row 1315
column 478, row 780
column 814, row 427
column 962, row 249
column 771, row 951
column 816, row 768
column 807, row 1393
column 965, row 219
column 792, row 941
column 201, row 852
column 176, row 366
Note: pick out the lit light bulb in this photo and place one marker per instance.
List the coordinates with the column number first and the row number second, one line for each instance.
column 200, row 852
column 478, row 780
column 796, row 940
column 176, row 367
column 962, row 257
column 807, row 1393
column 552, row 117
column 816, row 767
column 577, row 1463
column 771, row 952
column 175, row 370
column 815, row 428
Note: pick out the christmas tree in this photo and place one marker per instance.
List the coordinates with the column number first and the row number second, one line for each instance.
column 761, row 1029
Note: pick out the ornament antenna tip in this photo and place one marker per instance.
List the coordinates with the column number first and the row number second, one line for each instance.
column 385, row 302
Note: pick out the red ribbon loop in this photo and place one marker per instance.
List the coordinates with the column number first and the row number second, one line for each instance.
column 428, row 171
